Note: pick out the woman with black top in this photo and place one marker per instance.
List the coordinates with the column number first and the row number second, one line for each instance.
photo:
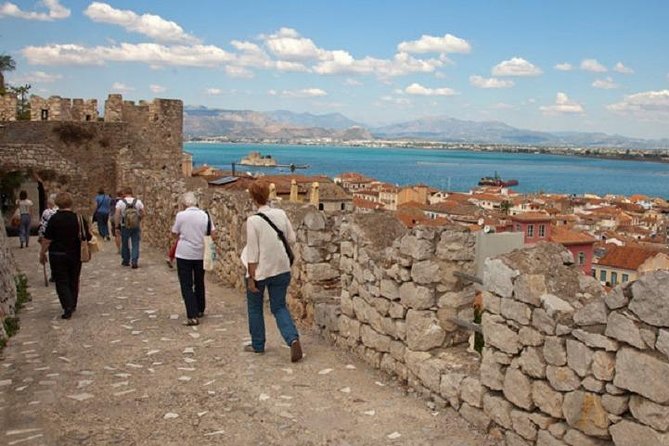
column 62, row 239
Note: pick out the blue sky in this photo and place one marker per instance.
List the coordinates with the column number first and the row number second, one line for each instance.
column 600, row 66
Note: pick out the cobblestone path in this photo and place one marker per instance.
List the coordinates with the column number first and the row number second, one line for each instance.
column 125, row 371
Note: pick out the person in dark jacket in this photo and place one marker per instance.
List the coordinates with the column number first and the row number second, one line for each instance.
column 62, row 240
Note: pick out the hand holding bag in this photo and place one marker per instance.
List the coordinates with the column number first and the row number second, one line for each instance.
column 16, row 219
column 209, row 258
column 84, row 249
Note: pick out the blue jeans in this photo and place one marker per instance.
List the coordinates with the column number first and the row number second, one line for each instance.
column 130, row 237
column 24, row 229
column 277, row 286
column 191, row 279
column 103, row 224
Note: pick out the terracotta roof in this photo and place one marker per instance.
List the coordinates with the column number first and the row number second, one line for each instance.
column 569, row 237
column 626, row 257
column 355, row 177
column 531, row 216
column 366, row 204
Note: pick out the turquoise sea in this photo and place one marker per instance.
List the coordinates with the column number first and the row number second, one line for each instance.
column 453, row 169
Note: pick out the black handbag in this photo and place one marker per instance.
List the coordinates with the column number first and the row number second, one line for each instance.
column 282, row 237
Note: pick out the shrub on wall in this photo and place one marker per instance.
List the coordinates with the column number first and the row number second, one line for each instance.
column 71, row 133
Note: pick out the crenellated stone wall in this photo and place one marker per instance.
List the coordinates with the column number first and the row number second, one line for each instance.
column 56, row 108
column 567, row 364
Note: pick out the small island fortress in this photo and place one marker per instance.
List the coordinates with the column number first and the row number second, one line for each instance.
column 257, row 159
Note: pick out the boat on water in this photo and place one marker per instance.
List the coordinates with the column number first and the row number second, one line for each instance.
column 497, row 181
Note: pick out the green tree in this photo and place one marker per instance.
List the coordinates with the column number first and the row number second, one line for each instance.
column 22, row 103
column 505, row 207
column 6, row 64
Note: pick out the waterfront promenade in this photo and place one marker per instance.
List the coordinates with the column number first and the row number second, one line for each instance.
column 125, row 371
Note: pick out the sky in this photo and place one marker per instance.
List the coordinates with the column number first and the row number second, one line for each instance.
column 568, row 65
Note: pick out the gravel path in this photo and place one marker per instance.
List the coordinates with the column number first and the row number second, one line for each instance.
column 125, row 371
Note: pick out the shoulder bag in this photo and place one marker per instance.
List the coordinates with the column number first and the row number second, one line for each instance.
column 282, row 237
column 84, row 249
column 209, row 256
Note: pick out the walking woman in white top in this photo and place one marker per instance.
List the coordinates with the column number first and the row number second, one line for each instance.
column 25, row 208
column 268, row 266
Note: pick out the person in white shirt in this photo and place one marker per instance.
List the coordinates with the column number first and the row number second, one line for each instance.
column 130, row 237
column 25, row 209
column 190, row 227
column 268, row 266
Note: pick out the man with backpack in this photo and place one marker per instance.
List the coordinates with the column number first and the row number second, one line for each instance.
column 127, row 220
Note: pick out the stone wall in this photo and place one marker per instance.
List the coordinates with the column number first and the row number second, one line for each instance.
column 7, row 285
column 566, row 364
column 8, row 107
column 56, row 108
column 84, row 156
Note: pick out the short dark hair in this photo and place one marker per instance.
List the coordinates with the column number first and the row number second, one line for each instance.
column 64, row 200
column 259, row 191
column 101, row 191
column 126, row 190
column 23, row 195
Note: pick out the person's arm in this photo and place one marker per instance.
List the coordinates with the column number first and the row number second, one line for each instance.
column 117, row 217
column 252, row 255
column 43, row 250
column 290, row 232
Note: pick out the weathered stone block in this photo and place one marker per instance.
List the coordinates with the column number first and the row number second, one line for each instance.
column 579, row 357
column 530, row 336
column 318, row 272
column 497, row 334
column 425, row 272
column 346, row 249
column 491, row 302
column 584, row 411
column 418, row 249
column 397, row 350
column 615, row 404
column 492, row 375
column 554, row 306
column 430, row 373
column 603, row 365
column 498, row 409
column 529, row 288
column 523, row 425
column 555, row 352
column 416, row 296
column 547, row 399
column 471, row 391
column 498, row 277
column 592, row 384
column 662, row 343
column 651, row 299
column 374, row 340
column 593, row 313
column 616, row 298
column 532, row 362
column 623, row 329
column 450, row 387
column 413, row 360
column 476, row 417
column 576, row 438
column 389, row 289
column 595, row 340
column 643, row 374
column 650, row 413
column 628, row 433
column 423, row 331
column 396, row 310
column 518, row 388
column 544, row 438
column 543, row 322
column 562, row 378
column 516, row 311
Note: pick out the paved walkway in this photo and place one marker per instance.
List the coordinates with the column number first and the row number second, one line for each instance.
column 125, row 371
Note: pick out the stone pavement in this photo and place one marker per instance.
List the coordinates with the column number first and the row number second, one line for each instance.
column 125, row 371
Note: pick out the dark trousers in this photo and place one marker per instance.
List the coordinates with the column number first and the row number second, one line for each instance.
column 191, row 279
column 65, row 271
column 103, row 224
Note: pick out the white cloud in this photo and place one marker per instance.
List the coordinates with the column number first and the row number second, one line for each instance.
column 155, row 88
column 565, row 66
column 621, row 68
column 341, row 62
column 516, row 66
column 562, row 105
column 419, row 90
column 213, row 91
column 303, row 93
column 238, row 72
column 119, row 87
column 647, row 103
column 447, row 43
column 501, row 106
column 148, row 24
column 605, row 84
column 482, row 82
column 593, row 65
column 287, row 44
column 153, row 54
column 37, row 77
column 352, row 82
column 55, row 11
column 388, row 99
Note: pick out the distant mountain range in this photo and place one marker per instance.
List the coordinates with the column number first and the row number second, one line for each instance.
column 282, row 124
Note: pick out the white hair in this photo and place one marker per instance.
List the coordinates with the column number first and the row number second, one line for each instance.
column 52, row 199
column 188, row 199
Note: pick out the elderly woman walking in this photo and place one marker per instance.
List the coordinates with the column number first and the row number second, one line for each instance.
column 190, row 227
column 268, row 267
column 62, row 239
column 25, row 208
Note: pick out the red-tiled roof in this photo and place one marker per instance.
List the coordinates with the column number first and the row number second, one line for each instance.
column 626, row 257
column 569, row 237
column 531, row 216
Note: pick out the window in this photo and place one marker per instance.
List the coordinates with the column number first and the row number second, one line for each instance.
column 518, row 228
column 343, row 206
column 542, row 231
column 614, row 278
column 45, row 114
column 626, row 278
column 581, row 258
column 88, row 117
column 602, row 275
column 530, row 230
column 320, row 206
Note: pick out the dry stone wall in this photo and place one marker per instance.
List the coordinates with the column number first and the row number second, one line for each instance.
column 7, row 286
column 566, row 364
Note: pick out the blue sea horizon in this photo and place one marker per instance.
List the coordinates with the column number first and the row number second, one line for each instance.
column 452, row 170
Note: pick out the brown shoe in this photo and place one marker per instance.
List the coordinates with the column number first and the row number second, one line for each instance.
column 295, row 351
